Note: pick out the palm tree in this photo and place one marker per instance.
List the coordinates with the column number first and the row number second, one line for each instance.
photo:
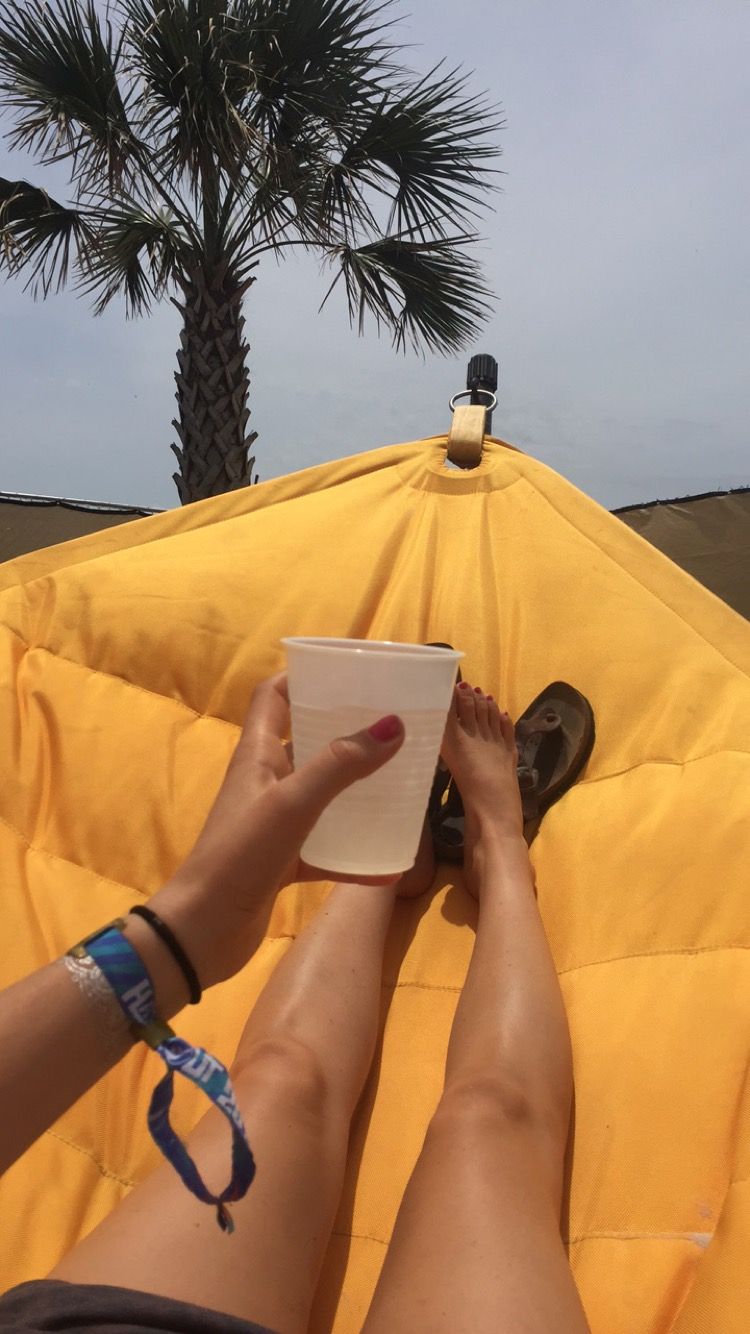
column 201, row 134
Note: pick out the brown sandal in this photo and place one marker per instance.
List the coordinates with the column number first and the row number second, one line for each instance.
column 554, row 737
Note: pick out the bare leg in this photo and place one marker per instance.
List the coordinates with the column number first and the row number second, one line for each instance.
column 477, row 1243
column 299, row 1071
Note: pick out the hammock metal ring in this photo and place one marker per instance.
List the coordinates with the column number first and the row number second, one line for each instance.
column 490, row 405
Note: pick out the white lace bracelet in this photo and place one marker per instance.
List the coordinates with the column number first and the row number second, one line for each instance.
column 90, row 979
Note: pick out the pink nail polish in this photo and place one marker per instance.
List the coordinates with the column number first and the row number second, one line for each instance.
column 463, row 685
column 489, row 697
column 477, row 690
column 386, row 729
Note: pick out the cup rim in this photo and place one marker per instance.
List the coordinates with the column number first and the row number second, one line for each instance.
column 391, row 647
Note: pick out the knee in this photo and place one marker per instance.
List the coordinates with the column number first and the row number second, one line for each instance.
column 285, row 1073
column 490, row 1103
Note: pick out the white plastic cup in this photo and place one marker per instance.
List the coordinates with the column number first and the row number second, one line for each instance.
column 339, row 686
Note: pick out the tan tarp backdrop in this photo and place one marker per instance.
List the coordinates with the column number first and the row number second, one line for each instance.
column 146, row 640
column 28, row 523
column 709, row 536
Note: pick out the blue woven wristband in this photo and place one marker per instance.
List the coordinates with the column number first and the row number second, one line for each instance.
column 126, row 974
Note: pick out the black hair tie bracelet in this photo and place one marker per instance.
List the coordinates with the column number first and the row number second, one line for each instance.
column 175, row 948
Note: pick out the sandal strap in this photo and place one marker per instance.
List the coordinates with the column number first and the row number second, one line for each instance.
column 530, row 733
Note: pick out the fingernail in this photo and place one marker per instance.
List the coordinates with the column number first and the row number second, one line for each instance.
column 463, row 685
column 477, row 690
column 489, row 696
column 386, row 729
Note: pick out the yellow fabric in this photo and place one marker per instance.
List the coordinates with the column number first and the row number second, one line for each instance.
column 127, row 662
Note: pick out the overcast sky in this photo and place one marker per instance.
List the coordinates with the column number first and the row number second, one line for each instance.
column 618, row 251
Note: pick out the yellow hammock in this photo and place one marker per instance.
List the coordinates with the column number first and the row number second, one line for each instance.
column 128, row 659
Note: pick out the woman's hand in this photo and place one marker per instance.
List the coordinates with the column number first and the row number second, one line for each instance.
column 218, row 903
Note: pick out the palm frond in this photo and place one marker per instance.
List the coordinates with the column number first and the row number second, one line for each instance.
column 338, row 200
column 139, row 255
column 59, row 75
column 341, row 133
column 427, row 148
column 309, row 58
column 299, row 193
column 429, row 293
column 183, row 52
column 239, row 78
column 39, row 235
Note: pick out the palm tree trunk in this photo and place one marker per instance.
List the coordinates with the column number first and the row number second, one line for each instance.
column 212, row 388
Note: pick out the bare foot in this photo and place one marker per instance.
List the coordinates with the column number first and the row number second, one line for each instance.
column 479, row 748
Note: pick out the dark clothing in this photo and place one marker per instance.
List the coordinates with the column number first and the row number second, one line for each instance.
column 80, row 1308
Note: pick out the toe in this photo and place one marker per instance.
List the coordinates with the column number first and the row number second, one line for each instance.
column 482, row 711
column 508, row 730
column 494, row 719
column 466, row 708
